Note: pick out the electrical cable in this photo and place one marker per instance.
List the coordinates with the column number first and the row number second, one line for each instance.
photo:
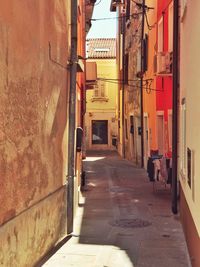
column 147, row 88
column 129, row 80
column 141, row 5
column 150, row 27
column 134, row 15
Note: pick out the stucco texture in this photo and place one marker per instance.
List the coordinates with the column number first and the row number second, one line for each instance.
column 34, row 49
column 189, row 89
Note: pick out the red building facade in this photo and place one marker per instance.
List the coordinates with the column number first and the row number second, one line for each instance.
column 164, row 49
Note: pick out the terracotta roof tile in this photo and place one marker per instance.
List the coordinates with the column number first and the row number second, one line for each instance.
column 101, row 48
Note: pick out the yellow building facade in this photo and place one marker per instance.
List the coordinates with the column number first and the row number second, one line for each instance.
column 101, row 101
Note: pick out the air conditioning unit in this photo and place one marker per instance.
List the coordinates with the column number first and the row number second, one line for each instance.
column 163, row 63
column 91, row 71
column 169, row 61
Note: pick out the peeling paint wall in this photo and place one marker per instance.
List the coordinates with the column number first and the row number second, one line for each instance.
column 24, row 238
column 132, row 94
column 34, row 50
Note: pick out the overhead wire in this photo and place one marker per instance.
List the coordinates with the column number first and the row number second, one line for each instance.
column 129, row 80
column 146, row 86
column 140, row 5
column 150, row 27
column 134, row 15
column 148, row 82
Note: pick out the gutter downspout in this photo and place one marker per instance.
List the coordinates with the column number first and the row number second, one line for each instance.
column 175, row 106
column 72, row 119
column 123, row 86
column 141, row 88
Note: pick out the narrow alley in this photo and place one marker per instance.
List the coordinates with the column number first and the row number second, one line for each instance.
column 99, row 126
column 122, row 221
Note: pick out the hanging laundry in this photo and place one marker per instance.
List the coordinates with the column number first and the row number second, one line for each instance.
column 156, row 163
column 163, row 169
column 150, row 169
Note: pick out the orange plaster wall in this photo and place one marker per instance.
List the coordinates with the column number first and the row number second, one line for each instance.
column 34, row 50
column 150, row 98
column 33, row 107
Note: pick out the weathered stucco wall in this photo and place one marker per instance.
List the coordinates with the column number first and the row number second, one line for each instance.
column 25, row 238
column 132, row 95
column 34, row 49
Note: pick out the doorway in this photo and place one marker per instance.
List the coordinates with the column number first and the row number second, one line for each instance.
column 100, row 132
column 160, row 132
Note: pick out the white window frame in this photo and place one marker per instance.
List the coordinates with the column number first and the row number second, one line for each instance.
column 160, row 35
column 170, row 128
column 160, row 113
column 100, row 90
column 183, row 163
column 170, row 26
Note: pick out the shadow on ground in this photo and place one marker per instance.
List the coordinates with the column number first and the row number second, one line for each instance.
column 129, row 223
column 121, row 221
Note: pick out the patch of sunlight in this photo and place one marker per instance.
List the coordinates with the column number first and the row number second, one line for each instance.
column 96, row 253
column 136, row 200
column 92, row 184
column 93, row 158
column 112, row 256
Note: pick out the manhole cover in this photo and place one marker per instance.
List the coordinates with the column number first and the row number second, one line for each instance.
column 131, row 223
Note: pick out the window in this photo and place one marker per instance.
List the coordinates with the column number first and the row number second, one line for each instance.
column 145, row 54
column 126, row 129
column 126, row 62
column 99, row 90
column 170, row 28
column 160, row 35
column 128, row 10
column 131, row 125
column 160, row 132
column 183, row 137
column 189, row 167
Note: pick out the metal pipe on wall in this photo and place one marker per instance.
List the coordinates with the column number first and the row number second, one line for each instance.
column 175, row 107
column 72, row 119
column 141, row 88
column 123, row 87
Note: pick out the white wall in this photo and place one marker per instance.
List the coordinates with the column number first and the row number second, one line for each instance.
column 190, row 90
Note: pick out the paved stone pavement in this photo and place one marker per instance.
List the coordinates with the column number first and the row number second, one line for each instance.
column 122, row 221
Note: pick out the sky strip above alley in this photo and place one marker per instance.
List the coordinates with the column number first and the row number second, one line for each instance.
column 103, row 28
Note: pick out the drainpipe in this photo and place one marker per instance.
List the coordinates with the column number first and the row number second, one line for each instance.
column 72, row 119
column 141, row 88
column 123, row 85
column 175, row 106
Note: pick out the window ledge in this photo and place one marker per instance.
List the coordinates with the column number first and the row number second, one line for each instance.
column 98, row 98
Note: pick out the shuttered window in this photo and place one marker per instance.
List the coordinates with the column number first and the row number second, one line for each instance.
column 99, row 90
